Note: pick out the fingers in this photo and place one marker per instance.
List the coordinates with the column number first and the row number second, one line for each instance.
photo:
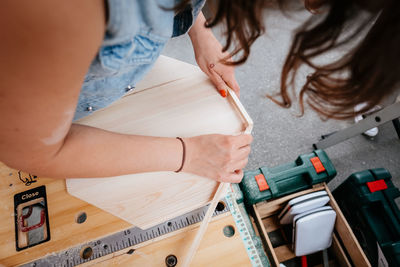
column 230, row 80
column 220, row 157
column 243, row 152
column 219, row 83
column 234, row 177
column 239, row 165
column 242, row 140
column 232, row 172
column 236, row 173
column 223, row 77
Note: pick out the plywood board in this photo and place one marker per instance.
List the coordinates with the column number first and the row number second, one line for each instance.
column 165, row 70
column 186, row 106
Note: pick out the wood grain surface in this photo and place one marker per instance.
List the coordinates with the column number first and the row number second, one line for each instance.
column 63, row 210
column 215, row 250
column 181, row 106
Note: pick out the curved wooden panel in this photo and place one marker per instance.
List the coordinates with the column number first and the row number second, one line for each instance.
column 185, row 105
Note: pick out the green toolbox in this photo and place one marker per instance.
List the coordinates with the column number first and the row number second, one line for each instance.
column 367, row 200
column 267, row 183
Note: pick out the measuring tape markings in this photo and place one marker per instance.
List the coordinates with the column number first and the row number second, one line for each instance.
column 250, row 244
column 115, row 244
column 111, row 245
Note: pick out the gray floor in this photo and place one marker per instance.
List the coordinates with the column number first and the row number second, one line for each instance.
column 279, row 135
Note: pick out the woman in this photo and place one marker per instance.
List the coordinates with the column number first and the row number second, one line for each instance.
column 48, row 49
column 61, row 61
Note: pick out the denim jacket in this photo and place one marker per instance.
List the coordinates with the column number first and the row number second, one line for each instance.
column 136, row 33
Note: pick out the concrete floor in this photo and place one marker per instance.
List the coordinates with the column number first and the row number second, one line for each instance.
column 279, row 135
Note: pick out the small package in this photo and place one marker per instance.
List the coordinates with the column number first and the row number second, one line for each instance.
column 312, row 230
column 303, row 204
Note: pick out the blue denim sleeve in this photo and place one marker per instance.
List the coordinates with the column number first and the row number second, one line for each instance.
column 184, row 19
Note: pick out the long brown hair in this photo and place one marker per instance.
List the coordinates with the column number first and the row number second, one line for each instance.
column 371, row 68
column 243, row 25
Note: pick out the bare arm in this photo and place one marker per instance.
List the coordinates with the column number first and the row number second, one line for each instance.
column 44, row 58
column 208, row 53
column 45, row 52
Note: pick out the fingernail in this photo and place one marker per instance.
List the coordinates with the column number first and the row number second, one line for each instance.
column 222, row 92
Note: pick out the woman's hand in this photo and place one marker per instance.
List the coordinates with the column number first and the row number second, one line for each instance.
column 208, row 53
column 220, row 157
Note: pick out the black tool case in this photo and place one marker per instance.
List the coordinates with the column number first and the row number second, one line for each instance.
column 367, row 200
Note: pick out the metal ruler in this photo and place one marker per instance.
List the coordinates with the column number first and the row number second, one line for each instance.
column 122, row 240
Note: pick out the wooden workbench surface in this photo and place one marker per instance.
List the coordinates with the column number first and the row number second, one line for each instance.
column 215, row 249
column 63, row 209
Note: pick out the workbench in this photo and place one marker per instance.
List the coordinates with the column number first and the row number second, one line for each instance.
column 215, row 250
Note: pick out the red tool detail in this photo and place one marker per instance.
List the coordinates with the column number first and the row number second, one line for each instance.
column 377, row 185
column 22, row 218
column 261, row 182
column 316, row 162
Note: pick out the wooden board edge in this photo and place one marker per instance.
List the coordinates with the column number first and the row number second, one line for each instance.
column 284, row 253
column 221, row 187
column 203, row 227
column 339, row 252
column 238, row 105
column 268, row 208
column 345, row 233
column 265, row 237
column 269, row 224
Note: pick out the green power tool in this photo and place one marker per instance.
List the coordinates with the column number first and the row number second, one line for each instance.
column 268, row 183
